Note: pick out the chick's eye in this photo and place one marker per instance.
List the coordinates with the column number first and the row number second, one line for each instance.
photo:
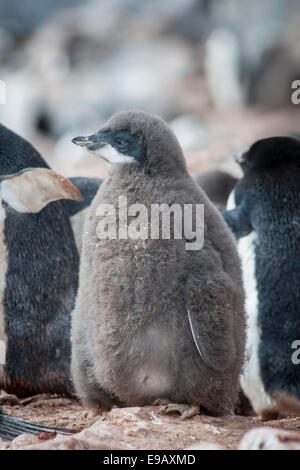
column 120, row 142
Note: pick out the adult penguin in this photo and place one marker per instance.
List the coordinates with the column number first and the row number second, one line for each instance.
column 263, row 213
column 39, row 266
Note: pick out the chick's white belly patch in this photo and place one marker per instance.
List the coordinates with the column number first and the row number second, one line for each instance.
column 153, row 376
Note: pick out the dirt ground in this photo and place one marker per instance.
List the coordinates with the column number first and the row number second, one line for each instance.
column 142, row 428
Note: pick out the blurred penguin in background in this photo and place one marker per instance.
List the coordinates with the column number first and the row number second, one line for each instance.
column 218, row 186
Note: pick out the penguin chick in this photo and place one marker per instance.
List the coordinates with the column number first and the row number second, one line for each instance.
column 152, row 319
column 218, row 186
column 263, row 213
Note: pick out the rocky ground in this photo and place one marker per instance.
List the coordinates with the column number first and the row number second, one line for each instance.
column 146, row 428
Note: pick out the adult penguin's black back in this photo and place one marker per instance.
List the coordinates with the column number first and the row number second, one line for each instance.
column 16, row 153
column 265, row 217
column 39, row 266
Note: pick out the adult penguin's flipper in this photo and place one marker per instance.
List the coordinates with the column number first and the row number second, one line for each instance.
column 88, row 188
column 237, row 222
column 11, row 427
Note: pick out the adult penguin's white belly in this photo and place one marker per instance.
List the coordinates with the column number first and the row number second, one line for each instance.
column 251, row 380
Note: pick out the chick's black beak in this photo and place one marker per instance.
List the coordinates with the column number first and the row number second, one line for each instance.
column 82, row 140
column 92, row 142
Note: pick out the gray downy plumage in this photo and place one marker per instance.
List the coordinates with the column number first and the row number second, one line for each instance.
column 152, row 319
